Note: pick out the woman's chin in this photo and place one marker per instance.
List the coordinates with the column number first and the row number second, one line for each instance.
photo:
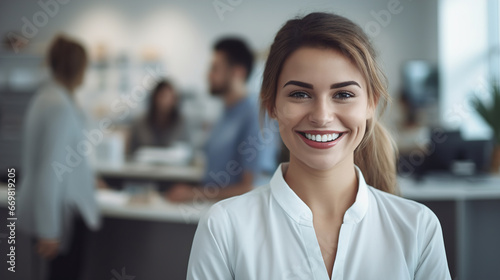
column 321, row 163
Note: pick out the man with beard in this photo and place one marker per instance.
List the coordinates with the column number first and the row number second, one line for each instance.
column 233, row 148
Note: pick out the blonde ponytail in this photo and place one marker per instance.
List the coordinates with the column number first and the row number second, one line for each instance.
column 376, row 157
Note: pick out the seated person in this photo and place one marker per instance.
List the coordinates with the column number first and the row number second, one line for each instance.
column 162, row 125
column 232, row 150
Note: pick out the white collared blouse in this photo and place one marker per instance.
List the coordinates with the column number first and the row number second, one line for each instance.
column 268, row 233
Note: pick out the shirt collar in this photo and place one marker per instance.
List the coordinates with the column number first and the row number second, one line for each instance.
column 301, row 213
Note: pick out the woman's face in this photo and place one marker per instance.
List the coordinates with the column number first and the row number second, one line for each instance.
column 165, row 100
column 321, row 107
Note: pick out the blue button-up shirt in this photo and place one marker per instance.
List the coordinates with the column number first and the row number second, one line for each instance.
column 234, row 146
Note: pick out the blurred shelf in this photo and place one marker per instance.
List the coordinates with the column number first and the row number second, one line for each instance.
column 133, row 170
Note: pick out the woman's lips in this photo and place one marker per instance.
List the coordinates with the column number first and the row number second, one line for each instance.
column 321, row 139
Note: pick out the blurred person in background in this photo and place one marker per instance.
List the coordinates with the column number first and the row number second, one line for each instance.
column 162, row 124
column 56, row 201
column 232, row 161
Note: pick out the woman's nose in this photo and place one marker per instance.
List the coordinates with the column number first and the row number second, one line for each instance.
column 322, row 113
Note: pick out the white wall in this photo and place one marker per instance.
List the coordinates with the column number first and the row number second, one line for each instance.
column 183, row 31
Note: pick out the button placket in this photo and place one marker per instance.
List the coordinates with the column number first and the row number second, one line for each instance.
column 342, row 248
column 316, row 263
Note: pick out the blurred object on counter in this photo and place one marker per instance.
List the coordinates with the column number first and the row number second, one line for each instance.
column 177, row 154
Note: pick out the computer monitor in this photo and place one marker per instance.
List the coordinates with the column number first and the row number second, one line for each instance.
column 454, row 149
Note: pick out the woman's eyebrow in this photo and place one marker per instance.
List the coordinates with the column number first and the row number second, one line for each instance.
column 310, row 86
column 344, row 84
column 300, row 84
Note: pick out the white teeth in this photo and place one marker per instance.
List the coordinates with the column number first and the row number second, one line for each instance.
column 322, row 138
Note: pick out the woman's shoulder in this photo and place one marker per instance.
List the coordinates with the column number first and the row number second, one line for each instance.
column 255, row 197
column 50, row 101
column 401, row 208
column 239, row 207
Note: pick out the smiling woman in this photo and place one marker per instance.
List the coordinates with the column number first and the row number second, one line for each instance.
column 354, row 57
column 329, row 213
column 330, row 99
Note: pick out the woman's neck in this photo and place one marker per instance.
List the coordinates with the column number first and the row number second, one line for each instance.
column 327, row 192
column 69, row 88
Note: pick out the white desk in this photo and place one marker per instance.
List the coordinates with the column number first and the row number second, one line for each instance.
column 116, row 204
column 133, row 236
column 447, row 188
column 464, row 193
column 134, row 170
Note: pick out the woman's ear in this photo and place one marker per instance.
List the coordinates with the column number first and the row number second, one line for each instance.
column 272, row 113
column 370, row 111
column 240, row 72
column 372, row 107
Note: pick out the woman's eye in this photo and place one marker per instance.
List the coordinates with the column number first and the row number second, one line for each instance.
column 299, row 95
column 343, row 95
